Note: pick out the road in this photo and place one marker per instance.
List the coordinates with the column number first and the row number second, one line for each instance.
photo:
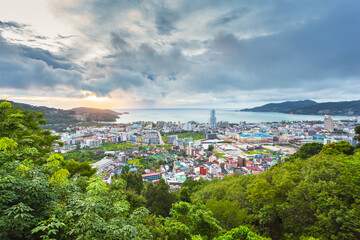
column 160, row 139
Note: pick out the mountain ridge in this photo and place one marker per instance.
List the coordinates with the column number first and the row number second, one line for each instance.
column 310, row 107
column 74, row 115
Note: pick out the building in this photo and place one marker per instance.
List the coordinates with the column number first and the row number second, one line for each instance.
column 103, row 165
column 172, row 139
column 329, row 123
column 212, row 121
column 187, row 126
column 151, row 177
column 202, row 170
column 210, row 136
column 255, row 137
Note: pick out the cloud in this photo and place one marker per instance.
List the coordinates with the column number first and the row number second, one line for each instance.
column 11, row 25
column 165, row 20
column 229, row 17
column 24, row 68
column 193, row 51
column 49, row 58
column 115, row 79
column 312, row 53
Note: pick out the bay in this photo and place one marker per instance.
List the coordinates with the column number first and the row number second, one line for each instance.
column 202, row 115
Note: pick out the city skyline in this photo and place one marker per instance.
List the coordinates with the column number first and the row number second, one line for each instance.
column 169, row 54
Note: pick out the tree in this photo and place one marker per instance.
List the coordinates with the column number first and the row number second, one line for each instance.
column 308, row 150
column 134, row 180
column 240, row 233
column 342, row 147
column 298, row 199
column 24, row 128
column 125, row 169
column 210, row 148
column 228, row 213
column 40, row 198
column 196, row 218
column 159, row 199
column 184, row 195
column 357, row 136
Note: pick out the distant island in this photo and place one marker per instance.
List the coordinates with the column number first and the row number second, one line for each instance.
column 309, row 107
column 74, row 115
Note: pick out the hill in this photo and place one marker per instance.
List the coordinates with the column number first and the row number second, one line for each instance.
column 284, row 107
column 334, row 108
column 61, row 116
column 310, row 107
column 95, row 114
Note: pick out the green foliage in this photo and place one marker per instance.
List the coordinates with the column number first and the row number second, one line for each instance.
column 342, row 147
column 159, row 199
column 135, row 200
column 116, row 147
column 81, row 168
column 125, row 170
column 357, row 136
column 240, row 233
column 194, row 185
column 210, row 148
column 228, row 213
column 317, row 197
column 184, row 195
column 51, row 198
column 83, row 156
column 196, row 218
column 134, row 180
column 176, row 230
column 194, row 136
column 308, row 150
column 23, row 128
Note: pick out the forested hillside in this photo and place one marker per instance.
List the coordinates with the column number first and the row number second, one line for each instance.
column 310, row 107
column 72, row 116
column 284, row 107
column 316, row 194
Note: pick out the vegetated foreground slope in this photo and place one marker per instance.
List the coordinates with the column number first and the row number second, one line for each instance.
column 43, row 196
column 317, row 197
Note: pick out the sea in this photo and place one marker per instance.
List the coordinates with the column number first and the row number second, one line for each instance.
column 202, row 115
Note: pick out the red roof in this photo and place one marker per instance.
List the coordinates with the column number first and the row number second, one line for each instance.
column 150, row 174
column 250, row 168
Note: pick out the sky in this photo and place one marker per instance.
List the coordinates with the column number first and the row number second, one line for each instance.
column 168, row 54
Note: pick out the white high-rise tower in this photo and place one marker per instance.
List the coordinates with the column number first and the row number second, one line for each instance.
column 212, row 121
column 329, row 123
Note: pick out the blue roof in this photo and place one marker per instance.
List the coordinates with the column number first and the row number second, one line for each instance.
column 255, row 134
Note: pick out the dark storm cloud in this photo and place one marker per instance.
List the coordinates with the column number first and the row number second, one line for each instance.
column 118, row 42
column 323, row 49
column 47, row 57
column 66, row 37
column 11, row 25
column 24, row 68
column 165, row 20
column 114, row 80
column 146, row 59
column 229, row 17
